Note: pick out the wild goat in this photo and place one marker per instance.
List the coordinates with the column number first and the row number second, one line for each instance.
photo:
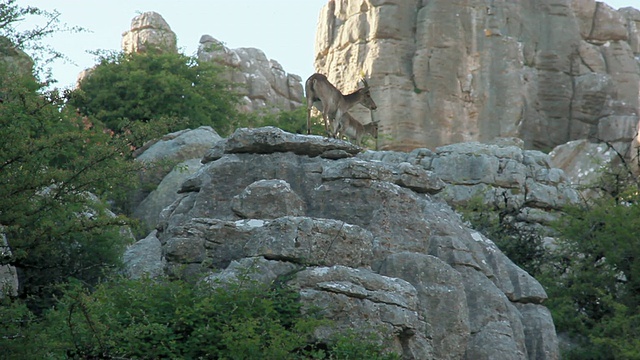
column 355, row 130
column 330, row 101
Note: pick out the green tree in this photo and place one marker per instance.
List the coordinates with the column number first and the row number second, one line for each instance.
column 56, row 168
column 594, row 283
column 157, row 86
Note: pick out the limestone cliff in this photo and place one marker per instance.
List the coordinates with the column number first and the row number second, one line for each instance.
column 546, row 71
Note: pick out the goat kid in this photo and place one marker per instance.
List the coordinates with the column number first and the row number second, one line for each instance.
column 332, row 103
column 355, row 130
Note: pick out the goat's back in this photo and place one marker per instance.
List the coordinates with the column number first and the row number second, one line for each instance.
column 313, row 86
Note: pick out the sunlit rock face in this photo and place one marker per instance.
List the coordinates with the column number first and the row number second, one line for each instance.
column 263, row 82
column 444, row 72
column 149, row 29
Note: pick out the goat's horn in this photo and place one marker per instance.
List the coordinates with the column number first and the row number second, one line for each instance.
column 365, row 83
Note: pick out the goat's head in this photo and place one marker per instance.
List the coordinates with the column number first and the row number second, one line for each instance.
column 367, row 101
column 373, row 129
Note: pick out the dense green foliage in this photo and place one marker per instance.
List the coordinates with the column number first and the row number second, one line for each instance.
column 55, row 169
column 157, row 86
column 152, row 320
column 591, row 274
column 594, row 285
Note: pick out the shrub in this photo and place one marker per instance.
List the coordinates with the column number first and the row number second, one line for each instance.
column 145, row 319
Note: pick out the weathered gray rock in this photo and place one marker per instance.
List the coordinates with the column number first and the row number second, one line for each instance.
column 372, row 303
column 144, row 258
column 271, row 139
column 267, row 199
column 499, row 174
column 445, row 72
column 536, row 318
column 165, row 193
column 300, row 240
column 149, row 29
column 256, row 269
column 263, row 82
column 366, row 246
column 168, row 162
column 441, row 298
column 608, row 24
column 632, row 16
column 585, row 163
column 179, row 145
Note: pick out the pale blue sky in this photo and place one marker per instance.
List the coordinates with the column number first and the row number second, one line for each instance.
column 283, row 29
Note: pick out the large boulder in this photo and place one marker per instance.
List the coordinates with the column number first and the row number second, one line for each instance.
column 375, row 251
column 144, row 258
column 444, row 72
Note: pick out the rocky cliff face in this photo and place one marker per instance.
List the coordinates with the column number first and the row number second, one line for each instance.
column 443, row 72
column 263, row 82
column 368, row 238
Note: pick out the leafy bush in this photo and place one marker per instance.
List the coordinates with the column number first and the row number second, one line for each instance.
column 55, row 168
column 594, row 286
column 157, row 87
column 147, row 319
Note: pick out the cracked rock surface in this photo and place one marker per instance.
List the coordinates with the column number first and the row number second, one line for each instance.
column 366, row 238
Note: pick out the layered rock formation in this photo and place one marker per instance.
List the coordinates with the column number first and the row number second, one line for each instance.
column 149, row 29
column 263, row 83
column 443, row 72
column 501, row 174
column 367, row 238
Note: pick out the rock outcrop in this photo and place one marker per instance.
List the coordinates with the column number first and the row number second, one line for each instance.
column 444, row 72
column 367, row 240
column 263, row 83
column 149, row 29
column 168, row 162
column 501, row 174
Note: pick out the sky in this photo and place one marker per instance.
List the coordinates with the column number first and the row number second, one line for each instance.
column 283, row 29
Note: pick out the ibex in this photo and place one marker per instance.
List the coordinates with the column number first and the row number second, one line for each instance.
column 330, row 101
column 355, row 130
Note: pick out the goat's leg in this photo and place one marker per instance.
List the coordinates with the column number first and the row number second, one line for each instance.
column 337, row 124
column 327, row 123
column 308, row 120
